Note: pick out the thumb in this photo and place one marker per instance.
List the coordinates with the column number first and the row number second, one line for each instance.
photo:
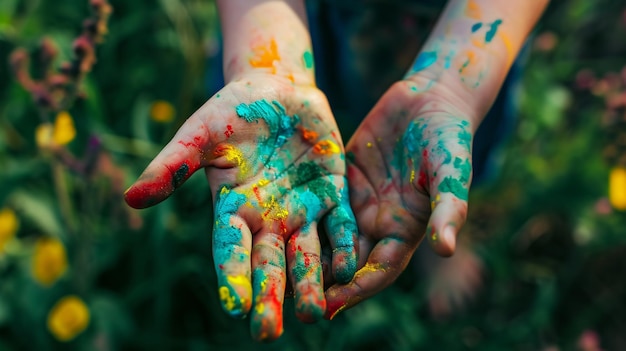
column 449, row 197
column 178, row 160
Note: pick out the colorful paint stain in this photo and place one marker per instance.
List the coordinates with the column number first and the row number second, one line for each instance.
column 308, row 135
column 465, row 169
column 432, row 234
column 326, row 147
column 307, row 59
column 491, row 33
column 434, row 202
column 267, row 322
column 472, row 10
column 234, row 155
column 470, row 56
column 476, row 26
column 280, row 125
column 275, row 212
column 264, row 55
column 454, row 186
column 305, row 172
column 180, row 175
column 370, row 268
column 229, row 131
column 312, row 205
column 424, row 60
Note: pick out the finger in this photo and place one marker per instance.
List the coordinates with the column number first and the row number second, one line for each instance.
column 178, row 160
column 268, row 260
column 231, row 254
column 385, row 263
column 449, row 195
column 341, row 228
column 305, row 270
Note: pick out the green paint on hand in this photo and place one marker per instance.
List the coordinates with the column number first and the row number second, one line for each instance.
column 305, row 172
column 454, row 186
column 324, row 189
column 307, row 57
column 465, row 138
column 464, row 167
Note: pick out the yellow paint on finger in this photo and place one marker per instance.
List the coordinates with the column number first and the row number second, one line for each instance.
column 369, row 268
column 227, row 299
column 412, row 176
column 260, row 308
column 434, row 202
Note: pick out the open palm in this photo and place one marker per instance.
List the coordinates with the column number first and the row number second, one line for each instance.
column 275, row 164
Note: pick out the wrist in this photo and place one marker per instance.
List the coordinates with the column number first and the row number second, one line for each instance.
column 266, row 37
column 437, row 94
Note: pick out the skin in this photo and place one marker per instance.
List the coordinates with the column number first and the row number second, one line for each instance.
column 420, row 133
column 275, row 162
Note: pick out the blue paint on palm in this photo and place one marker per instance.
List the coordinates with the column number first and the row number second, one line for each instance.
column 281, row 126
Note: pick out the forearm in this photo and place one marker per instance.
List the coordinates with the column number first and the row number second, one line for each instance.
column 266, row 36
column 472, row 48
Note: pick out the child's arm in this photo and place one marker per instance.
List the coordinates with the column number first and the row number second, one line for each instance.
column 266, row 36
column 420, row 133
column 472, row 48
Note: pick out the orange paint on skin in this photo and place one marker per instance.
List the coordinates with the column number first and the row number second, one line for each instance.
column 478, row 43
column 470, row 58
column 473, row 10
column 509, row 47
column 325, row 147
column 308, row 135
column 265, row 55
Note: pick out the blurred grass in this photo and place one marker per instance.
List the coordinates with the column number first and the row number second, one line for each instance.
column 554, row 252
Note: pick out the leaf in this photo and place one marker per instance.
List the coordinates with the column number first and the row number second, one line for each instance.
column 39, row 209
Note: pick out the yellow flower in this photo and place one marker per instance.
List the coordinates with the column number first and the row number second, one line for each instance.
column 61, row 133
column 162, row 111
column 64, row 130
column 8, row 226
column 68, row 318
column 617, row 188
column 43, row 135
column 49, row 261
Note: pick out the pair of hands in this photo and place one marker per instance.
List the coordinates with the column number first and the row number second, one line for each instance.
column 275, row 162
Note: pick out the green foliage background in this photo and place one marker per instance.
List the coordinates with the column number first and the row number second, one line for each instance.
column 554, row 256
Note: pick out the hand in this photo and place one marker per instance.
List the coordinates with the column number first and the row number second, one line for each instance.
column 275, row 164
column 409, row 171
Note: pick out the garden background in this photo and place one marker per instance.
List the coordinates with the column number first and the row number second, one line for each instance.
column 79, row 270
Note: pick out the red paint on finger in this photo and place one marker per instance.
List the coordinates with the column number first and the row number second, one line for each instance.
column 152, row 188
